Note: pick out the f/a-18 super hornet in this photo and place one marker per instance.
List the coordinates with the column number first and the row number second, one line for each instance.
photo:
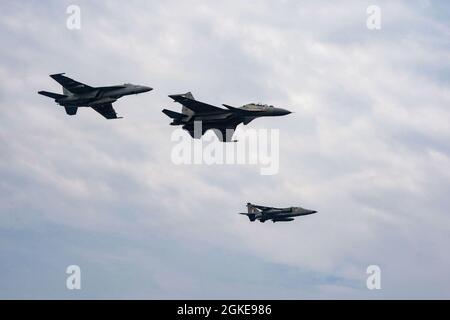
column 198, row 117
column 76, row 94
column 263, row 214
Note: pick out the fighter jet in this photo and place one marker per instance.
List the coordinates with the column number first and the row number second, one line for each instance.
column 76, row 94
column 198, row 117
column 263, row 214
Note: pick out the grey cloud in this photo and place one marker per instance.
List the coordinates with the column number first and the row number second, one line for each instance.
column 365, row 146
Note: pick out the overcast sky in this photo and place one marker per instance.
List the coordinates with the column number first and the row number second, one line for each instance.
column 367, row 146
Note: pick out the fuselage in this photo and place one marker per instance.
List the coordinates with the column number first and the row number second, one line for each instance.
column 285, row 213
column 99, row 96
column 248, row 113
column 263, row 214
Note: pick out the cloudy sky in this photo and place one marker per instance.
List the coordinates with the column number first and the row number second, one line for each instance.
column 368, row 147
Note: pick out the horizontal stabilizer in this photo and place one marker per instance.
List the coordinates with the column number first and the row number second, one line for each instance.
column 173, row 114
column 52, row 95
column 251, row 216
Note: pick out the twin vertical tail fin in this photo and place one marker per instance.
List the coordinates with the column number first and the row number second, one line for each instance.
column 69, row 109
column 187, row 111
column 66, row 92
column 189, row 95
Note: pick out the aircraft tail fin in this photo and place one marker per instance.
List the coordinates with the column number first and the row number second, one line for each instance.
column 71, row 110
column 66, row 92
column 184, row 110
column 52, row 95
column 187, row 111
column 251, row 208
column 188, row 95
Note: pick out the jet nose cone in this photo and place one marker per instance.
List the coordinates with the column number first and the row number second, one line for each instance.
column 307, row 211
column 281, row 112
column 146, row 89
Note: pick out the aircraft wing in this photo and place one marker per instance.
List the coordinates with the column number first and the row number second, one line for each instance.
column 106, row 110
column 71, row 85
column 194, row 105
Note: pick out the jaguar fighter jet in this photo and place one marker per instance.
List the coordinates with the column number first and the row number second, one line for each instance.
column 261, row 213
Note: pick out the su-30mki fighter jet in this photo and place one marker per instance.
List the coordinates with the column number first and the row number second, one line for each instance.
column 198, row 117
column 76, row 95
column 263, row 214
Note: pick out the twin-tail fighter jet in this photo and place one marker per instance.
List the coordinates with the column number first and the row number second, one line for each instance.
column 222, row 121
column 76, row 94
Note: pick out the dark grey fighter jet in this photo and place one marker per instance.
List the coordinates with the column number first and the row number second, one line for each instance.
column 198, row 117
column 262, row 213
column 76, row 94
